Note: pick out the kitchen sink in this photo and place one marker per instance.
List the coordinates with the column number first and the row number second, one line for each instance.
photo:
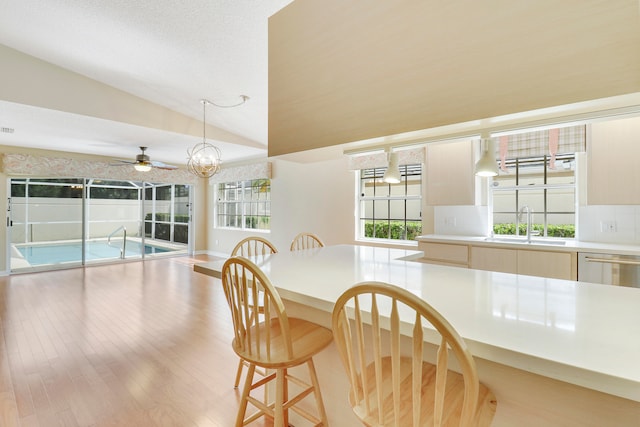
column 524, row 241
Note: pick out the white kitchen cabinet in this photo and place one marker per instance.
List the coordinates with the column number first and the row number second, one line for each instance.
column 494, row 259
column 613, row 175
column 445, row 254
column 450, row 175
column 532, row 260
column 553, row 264
column 542, row 263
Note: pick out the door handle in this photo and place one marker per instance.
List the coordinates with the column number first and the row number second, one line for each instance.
column 612, row 261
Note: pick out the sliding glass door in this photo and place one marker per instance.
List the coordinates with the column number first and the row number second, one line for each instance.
column 46, row 222
column 59, row 223
column 113, row 220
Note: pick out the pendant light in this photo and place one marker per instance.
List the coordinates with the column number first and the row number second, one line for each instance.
column 204, row 159
column 392, row 174
column 487, row 164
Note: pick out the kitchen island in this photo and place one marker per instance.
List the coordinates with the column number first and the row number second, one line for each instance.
column 554, row 352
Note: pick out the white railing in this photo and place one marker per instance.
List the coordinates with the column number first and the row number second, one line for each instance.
column 124, row 240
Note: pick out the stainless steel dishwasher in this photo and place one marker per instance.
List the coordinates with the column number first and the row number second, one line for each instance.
column 607, row 269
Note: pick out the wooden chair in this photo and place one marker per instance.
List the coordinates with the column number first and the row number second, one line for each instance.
column 306, row 241
column 247, row 247
column 275, row 342
column 394, row 387
column 253, row 246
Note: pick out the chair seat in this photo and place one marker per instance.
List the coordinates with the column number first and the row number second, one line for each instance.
column 307, row 339
column 453, row 399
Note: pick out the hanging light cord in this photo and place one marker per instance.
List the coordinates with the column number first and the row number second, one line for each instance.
column 204, row 159
column 244, row 98
column 204, row 118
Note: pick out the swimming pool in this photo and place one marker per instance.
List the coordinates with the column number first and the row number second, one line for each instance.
column 57, row 253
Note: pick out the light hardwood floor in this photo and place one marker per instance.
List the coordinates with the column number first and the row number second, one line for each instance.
column 134, row 344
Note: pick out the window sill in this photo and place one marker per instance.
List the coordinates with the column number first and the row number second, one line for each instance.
column 388, row 242
column 244, row 230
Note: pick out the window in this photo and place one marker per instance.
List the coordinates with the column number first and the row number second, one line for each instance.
column 390, row 211
column 548, row 192
column 244, row 204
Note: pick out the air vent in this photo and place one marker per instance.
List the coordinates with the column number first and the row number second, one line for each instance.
column 6, row 130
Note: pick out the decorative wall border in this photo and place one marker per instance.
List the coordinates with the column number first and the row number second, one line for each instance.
column 242, row 173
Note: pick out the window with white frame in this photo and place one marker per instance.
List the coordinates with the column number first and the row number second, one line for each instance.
column 390, row 211
column 537, row 173
column 244, row 204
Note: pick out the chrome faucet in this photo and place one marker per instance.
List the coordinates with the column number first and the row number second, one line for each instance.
column 529, row 212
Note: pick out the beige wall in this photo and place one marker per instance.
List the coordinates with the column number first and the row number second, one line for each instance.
column 349, row 70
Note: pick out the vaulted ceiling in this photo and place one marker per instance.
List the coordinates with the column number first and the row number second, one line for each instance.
column 73, row 69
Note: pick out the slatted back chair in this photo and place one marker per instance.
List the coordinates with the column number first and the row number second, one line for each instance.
column 247, row 247
column 390, row 384
column 273, row 341
column 306, row 241
column 253, row 246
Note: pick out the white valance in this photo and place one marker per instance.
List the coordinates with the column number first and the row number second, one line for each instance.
column 379, row 160
column 260, row 170
column 45, row 167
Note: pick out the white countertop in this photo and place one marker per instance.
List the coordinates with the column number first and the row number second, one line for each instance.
column 570, row 245
column 584, row 334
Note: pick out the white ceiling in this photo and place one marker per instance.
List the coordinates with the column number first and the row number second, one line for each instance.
column 170, row 53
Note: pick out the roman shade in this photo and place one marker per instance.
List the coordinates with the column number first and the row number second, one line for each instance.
column 549, row 142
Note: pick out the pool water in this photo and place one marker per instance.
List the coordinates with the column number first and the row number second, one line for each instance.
column 72, row 252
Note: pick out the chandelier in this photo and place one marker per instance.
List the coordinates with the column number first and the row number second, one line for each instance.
column 204, row 158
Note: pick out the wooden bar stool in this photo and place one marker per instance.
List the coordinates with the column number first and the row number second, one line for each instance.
column 394, row 386
column 275, row 343
column 306, row 241
column 248, row 247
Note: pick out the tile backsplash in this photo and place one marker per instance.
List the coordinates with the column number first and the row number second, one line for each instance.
column 609, row 224
column 461, row 220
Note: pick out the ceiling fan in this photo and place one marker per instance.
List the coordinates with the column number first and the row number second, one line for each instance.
column 143, row 163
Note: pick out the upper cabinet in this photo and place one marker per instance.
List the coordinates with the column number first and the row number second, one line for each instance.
column 450, row 174
column 613, row 175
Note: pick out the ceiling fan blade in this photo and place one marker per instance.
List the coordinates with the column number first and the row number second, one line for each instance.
column 143, row 160
column 121, row 163
column 160, row 165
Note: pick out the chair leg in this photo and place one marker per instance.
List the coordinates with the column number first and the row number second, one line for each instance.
column 264, row 373
column 285, row 398
column 318, row 395
column 278, row 413
column 238, row 373
column 245, row 393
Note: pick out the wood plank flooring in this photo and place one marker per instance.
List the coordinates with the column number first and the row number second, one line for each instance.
column 133, row 344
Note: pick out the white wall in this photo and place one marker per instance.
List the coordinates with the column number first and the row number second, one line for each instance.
column 314, row 197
